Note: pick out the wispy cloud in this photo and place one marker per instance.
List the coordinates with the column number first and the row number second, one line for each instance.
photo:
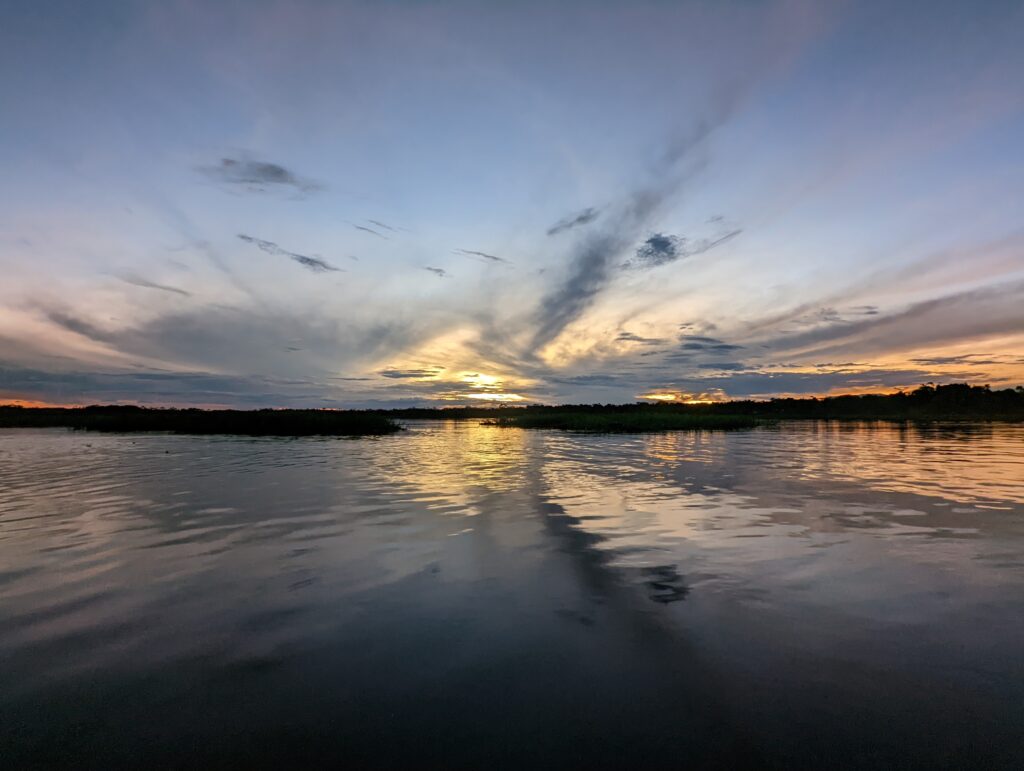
column 713, row 344
column 368, row 230
column 440, row 272
column 314, row 264
column 258, row 175
column 989, row 311
column 141, row 282
column 590, row 265
column 410, row 374
column 629, row 337
column 482, row 255
column 584, row 217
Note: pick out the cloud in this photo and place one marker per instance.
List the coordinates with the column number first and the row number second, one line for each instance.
column 410, row 374
column 707, row 344
column 315, row 264
column 663, row 248
column 380, row 224
column 77, row 325
column 587, row 276
column 768, row 383
column 440, row 272
column 584, row 217
column 483, row 255
column 970, row 315
column 258, row 175
column 136, row 281
column 658, row 249
column 629, row 337
column 368, row 230
column 157, row 388
column 971, row 359
column 591, row 262
column 256, row 340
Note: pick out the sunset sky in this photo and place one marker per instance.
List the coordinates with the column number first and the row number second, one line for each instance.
column 372, row 204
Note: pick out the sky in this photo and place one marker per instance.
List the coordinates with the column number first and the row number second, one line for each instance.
column 356, row 204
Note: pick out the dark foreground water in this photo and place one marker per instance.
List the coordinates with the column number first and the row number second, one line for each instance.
column 821, row 596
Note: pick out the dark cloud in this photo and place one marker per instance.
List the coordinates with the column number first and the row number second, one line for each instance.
column 829, row 315
column 706, row 344
column 588, row 275
column 315, row 264
column 968, row 359
column 380, row 224
column 368, row 230
column 136, row 281
column 733, row 366
column 258, row 175
column 592, row 379
column 584, row 217
column 658, row 249
column 440, row 272
column 410, row 374
column 482, row 255
column 663, row 248
column 77, row 325
column 629, row 337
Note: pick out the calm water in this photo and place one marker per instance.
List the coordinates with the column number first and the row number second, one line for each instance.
column 816, row 596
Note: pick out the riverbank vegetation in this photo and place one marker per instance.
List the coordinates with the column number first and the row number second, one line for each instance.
column 955, row 402
column 958, row 401
column 196, row 421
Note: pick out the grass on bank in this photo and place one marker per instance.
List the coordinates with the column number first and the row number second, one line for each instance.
column 196, row 421
column 627, row 422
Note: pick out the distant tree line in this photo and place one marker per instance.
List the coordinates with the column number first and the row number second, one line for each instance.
column 197, row 421
column 957, row 401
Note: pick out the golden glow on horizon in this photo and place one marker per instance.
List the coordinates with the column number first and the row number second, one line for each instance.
column 5, row 402
column 682, row 397
column 495, row 397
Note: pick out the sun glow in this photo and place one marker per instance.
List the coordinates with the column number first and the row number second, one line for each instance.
column 683, row 397
column 495, row 397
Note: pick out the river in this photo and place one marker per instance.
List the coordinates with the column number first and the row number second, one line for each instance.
column 810, row 595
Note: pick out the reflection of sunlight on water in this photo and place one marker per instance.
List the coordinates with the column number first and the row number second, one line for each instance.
column 456, row 457
column 745, row 496
column 981, row 464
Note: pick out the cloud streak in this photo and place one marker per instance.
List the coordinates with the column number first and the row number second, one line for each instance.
column 482, row 255
column 584, row 217
column 590, row 264
column 258, row 175
column 368, row 230
column 314, row 264
column 141, row 282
